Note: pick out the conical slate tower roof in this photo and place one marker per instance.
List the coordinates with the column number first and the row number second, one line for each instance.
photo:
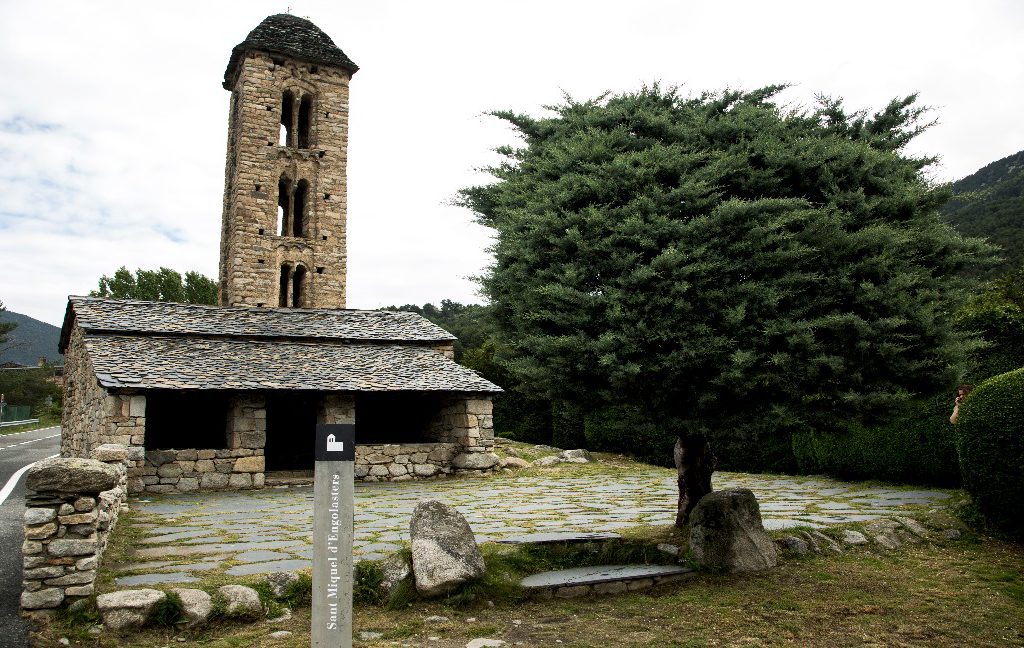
column 293, row 37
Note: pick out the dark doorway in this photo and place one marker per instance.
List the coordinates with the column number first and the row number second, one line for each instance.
column 395, row 417
column 186, row 419
column 291, row 429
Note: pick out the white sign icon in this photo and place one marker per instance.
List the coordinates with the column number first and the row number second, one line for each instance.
column 334, row 446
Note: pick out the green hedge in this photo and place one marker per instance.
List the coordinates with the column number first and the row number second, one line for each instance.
column 916, row 447
column 990, row 442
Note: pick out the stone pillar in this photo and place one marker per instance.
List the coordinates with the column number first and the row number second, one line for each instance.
column 125, row 422
column 337, row 408
column 247, row 437
column 70, row 507
column 467, row 422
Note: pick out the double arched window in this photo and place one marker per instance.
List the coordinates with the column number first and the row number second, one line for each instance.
column 292, row 207
column 296, row 118
column 292, row 286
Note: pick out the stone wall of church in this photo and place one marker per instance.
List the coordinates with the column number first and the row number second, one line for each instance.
column 466, row 422
column 253, row 250
column 85, row 402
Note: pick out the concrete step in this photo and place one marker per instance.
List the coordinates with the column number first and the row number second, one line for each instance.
column 603, row 579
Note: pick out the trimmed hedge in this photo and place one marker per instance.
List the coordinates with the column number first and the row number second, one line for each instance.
column 990, row 442
column 916, row 446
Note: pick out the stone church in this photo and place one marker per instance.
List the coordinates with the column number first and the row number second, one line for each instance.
column 228, row 396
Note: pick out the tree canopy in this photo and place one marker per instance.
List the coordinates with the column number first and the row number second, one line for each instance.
column 158, row 285
column 720, row 260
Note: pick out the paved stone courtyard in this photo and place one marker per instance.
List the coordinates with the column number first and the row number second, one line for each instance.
column 251, row 532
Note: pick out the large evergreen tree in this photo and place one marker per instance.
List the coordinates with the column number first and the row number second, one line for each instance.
column 719, row 260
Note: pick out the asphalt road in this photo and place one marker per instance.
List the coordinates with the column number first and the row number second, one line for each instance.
column 17, row 451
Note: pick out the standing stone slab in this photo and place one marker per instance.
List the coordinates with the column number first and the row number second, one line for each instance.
column 726, row 533
column 444, row 551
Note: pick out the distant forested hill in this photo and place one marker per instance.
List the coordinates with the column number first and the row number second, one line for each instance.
column 32, row 339
column 990, row 203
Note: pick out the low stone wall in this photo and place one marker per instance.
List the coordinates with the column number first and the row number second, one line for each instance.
column 403, row 461
column 172, row 471
column 71, row 506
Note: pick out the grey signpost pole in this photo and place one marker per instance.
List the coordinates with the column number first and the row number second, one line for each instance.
column 333, row 504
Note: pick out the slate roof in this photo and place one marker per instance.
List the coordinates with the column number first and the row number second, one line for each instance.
column 293, row 37
column 130, row 316
column 160, row 345
column 125, row 361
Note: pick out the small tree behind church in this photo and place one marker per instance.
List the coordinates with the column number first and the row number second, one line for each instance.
column 721, row 263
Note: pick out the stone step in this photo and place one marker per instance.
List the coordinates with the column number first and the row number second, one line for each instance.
column 603, row 579
column 554, row 537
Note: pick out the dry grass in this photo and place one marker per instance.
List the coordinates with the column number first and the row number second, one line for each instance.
column 964, row 593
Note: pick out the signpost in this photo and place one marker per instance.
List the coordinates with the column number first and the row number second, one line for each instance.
column 333, row 504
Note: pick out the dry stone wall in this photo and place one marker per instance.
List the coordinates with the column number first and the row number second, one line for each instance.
column 252, row 250
column 85, row 402
column 71, row 506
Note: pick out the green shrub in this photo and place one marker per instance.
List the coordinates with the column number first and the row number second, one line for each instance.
column 916, row 446
column 298, row 593
column 167, row 611
column 367, row 579
column 990, row 442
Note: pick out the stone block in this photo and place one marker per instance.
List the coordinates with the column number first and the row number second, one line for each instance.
column 50, row 571
column 75, row 578
column 136, row 485
column 150, row 479
column 249, row 465
column 39, row 515
column 31, row 547
column 258, row 480
column 396, row 469
column 214, row 480
column 378, row 471
column 81, row 590
column 71, row 547
column 42, row 599
column 240, row 480
column 161, row 488
column 84, row 504
column 86, row 564
column 206, row 454
column 137, row 406
column 254, row 439
column 479, row 406
column 71, row 475
column 424, row 470
column 188, row 484
column 40, row 532
column 110, row 452
column 79, row 518
column 378, row 458
column 169, row 470
column 127, row 608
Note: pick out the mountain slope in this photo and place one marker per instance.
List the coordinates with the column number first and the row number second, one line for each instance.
column 33, row 340
column 990, row 203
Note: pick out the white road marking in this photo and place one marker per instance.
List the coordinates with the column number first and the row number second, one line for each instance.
column 13, row 481
column 52, row 427
column 14, row 445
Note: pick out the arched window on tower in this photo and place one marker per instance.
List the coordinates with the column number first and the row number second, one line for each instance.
column 284, row 206
column 298, row 286
column 287, row 108
column 305, row 113
column 286, row 275
column 299, row 211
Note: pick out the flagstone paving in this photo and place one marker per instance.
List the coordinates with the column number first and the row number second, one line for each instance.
column 251, row 532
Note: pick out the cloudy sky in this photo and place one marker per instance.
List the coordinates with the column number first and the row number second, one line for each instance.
column 113, row 120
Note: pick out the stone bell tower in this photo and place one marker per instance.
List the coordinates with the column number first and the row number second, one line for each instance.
column 283, row 233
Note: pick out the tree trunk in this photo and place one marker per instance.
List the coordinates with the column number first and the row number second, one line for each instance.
column 695, row 463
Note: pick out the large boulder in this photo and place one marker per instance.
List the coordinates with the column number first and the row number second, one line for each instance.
column 726, row 533
column 444, row 551
column 71, row 475
column 242, row 602
column 475, row 460
column 127, row 608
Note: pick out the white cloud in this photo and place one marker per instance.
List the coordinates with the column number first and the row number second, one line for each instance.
column 130, row 170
